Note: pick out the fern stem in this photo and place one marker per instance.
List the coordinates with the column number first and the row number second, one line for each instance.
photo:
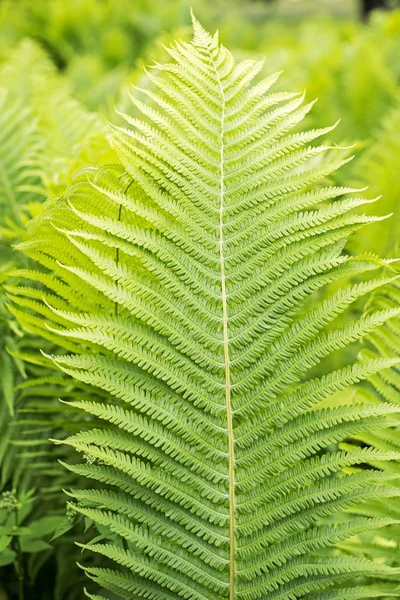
column 19, row 564
column 228, row 399
column 117, row 257
column 117, row 250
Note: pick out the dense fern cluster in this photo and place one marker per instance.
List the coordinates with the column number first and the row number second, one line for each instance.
column 199, row 330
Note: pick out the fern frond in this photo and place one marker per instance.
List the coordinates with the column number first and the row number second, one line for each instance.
column 21, row 146
column 67, row 134
column 185, row 284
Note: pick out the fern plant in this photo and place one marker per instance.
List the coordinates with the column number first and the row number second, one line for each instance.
column 184, row 282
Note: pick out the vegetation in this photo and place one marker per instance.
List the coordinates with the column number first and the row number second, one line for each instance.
column 199, row 303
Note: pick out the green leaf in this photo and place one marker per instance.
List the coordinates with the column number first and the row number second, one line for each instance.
column 63, row 526
column 5, row 529
column 4, row 541
column 7, row 557
column 34, row 545
column 46, row 525
column 7, row 380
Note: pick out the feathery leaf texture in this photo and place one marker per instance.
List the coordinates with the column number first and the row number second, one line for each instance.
column 385, row 387
column 184, row 283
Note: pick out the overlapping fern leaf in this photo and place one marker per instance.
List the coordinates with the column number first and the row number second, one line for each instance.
column 67, row 133
column 185, row 283
column 31, row 164
column 383, row 387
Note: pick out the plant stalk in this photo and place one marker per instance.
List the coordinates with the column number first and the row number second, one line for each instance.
column 19, row 564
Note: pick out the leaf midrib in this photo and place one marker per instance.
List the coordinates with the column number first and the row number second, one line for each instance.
column 225, row 318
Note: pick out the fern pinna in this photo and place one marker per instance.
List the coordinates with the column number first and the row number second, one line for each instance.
column 184, row 282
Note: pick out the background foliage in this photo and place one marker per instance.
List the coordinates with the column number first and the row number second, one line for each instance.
column 63, row 68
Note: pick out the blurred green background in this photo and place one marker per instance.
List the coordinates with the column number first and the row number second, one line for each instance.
column 97, row 43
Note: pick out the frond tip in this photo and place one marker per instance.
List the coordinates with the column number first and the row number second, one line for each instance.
column 184, row 282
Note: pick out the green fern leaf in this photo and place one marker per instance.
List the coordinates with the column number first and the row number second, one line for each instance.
column 185, row 283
